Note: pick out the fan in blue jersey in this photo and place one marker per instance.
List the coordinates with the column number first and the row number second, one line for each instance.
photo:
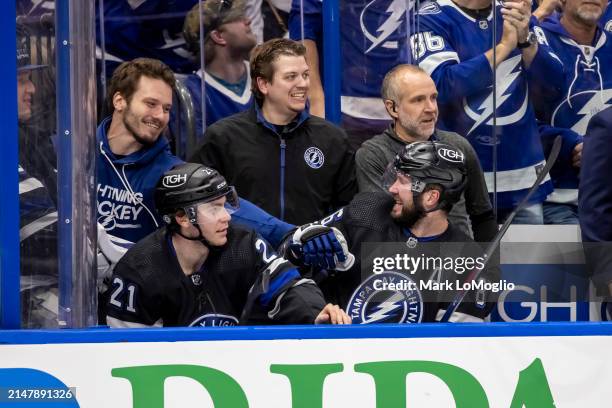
column 566, row 107
column 146, row 28
column 373, row 36
column 226, row 46
column 453, row 44
column 152, row 28
column 37, row 213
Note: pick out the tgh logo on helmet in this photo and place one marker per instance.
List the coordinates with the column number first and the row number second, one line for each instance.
column 451, row 155
column 174, row 180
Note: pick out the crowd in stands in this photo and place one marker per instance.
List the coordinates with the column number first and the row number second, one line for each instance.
column 458, row 129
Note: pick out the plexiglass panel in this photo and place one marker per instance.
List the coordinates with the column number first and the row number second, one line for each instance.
column 38, row 188
column 56, row 172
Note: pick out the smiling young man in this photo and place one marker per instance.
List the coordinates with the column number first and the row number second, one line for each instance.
column 132, row 154
column 199, row 270
column 295, row 166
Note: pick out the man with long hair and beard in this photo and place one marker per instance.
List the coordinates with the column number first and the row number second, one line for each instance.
column 386, row 232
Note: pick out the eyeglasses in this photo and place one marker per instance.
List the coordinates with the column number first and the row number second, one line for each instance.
column 224, row 6
column 222, row 9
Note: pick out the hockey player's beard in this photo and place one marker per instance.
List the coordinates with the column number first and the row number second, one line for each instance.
column 410, row 214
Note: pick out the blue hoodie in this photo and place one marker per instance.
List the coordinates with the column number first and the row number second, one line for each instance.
column 567, row 107
column 126, row 186
column 125, row 194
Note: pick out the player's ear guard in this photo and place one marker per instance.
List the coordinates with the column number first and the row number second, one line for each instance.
column 320, row 247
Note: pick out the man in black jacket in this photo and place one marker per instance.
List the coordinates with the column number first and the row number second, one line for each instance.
column 201, row 271
column 295, row 166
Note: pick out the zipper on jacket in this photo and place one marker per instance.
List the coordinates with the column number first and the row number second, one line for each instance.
column 282, row 178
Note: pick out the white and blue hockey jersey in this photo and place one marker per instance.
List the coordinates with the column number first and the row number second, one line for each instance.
column 566, row 107
column 450, row 46
column 220, row 101
column 144, row 28
column 373, row 40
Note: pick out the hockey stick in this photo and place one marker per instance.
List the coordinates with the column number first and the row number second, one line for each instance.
column 475, row 273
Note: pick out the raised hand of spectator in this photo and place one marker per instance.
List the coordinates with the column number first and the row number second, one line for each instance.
column 546, row 8
column 577, row 155
column 518, row 13
column 509, row 36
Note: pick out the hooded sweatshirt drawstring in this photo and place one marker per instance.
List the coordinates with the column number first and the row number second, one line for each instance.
column 126, row 184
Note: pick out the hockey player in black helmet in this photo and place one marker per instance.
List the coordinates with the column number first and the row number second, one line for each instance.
column 424, row 181
column 195, row 190
column 420, row 168
column 199, row 270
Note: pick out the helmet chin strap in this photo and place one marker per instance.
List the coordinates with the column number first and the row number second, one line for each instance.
column 201, row 238
column 193, row 220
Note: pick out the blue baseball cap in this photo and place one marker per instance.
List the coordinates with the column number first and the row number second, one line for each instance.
column 24, row 58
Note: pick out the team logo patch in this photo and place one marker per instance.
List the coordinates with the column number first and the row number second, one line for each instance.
column 314, row 157
column 512, row 98
column 429, row 8
column 373, row 302
column 487, row 140
column 214, row 320
column 576, row 111
column 381, row 22
column 483, row 24
column 196, row 278
column 412, row 242
column 608, row 26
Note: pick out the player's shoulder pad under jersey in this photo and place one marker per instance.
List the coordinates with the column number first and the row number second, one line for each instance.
column 369, row 210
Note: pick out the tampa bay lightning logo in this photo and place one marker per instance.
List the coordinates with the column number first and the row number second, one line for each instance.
column 314, row 157
column 214, row 320
column 380, row 19
column 608, row 26
column 487, row 140
column 373, row 303
column 508, row 92
column 576, row 111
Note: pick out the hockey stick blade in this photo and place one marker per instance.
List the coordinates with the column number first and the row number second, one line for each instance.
column 475, row 273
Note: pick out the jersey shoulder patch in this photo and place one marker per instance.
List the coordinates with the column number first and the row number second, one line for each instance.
column 429, row 8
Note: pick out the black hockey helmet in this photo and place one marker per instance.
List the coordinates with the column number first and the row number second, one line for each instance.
column 189, row 184
column 427, row 163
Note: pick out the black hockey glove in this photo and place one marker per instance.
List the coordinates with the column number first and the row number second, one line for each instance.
column 320, row 247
